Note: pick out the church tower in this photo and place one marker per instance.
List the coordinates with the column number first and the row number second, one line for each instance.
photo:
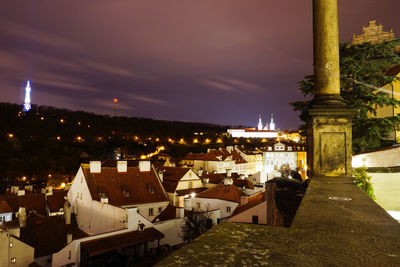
column 260, row 124
column 27, row 104
column 272, row 123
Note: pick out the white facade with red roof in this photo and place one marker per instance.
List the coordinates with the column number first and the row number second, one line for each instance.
column 110, row 198
column 220, row 160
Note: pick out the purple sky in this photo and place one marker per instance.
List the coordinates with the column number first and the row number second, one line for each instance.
column 207, row 61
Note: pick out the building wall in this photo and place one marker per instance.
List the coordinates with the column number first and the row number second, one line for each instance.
column 158, row 207
column 189, row 177
column 212, row 204
column 383, row 158
column 92, row 216
column 172, row 229
column 23, row 253
column 247, row 216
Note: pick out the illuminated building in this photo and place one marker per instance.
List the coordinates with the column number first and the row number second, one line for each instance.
column 269, row 131
column 27, row 104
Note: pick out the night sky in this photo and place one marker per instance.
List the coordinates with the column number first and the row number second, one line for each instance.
column 212, row 61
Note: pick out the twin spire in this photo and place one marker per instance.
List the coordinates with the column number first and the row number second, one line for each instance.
column 271, row 124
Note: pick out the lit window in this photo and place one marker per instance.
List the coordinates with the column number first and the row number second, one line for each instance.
column 228, row 209
column 151, row 212
column 13, row 260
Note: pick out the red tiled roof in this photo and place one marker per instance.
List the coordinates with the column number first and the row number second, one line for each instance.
column 393, row 71
column 193, row 156
column 184, row 192
column 125, row 188
column 4, row 207
column 30, row 202
column 223, row 192
column 255, row 201
column 217, row 178
column 168, row 214
column 169, row 186
column 174, row 173
column 115, row 242
column 48, row 234
column 243, row 182
column 57, row 200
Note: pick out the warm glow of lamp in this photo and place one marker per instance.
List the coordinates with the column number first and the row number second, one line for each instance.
column 195, row 141
column 219, row 140
column 62, row 185
column 58, row 138
column 11, row 135
column 192, row 195
column 208, row 140
column 143, row 157
column 61, row 120
column 115, row 100
column 24, row 178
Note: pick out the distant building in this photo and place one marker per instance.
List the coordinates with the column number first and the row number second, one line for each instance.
column 373, row 33
column 292, row 156
column 269, row 131
column 180, row 183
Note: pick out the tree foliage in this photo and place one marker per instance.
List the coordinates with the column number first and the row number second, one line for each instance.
column 195, row 224
column 363, row 181
column 363, row 71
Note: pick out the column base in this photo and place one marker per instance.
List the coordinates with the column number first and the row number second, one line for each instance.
column 329, row 139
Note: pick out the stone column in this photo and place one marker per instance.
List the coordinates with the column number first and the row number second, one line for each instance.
column 329, row 121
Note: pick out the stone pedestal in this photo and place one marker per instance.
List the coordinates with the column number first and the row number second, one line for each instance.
column 329, row 135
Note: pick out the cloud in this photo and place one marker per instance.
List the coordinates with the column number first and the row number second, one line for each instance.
column 220, row 86
column 232, row 85
column 38, row 36
column 109, row 68
column 66, row 85
column 147, row 99
column 243, row 85
column 53, row 61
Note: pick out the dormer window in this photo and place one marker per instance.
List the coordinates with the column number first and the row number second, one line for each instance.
column 152, row 190
column 289, row 148
column 127, row 193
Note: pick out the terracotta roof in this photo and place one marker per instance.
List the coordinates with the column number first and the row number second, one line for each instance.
column 223, row 192
column 125, row 188
column 217, row 178
column 237, row 157
column 174, row 173
column 255, row 201
column 168, row 214
column 169, row 186
column 193, row 156
column 4, row 207
column 243, row 182
column 115, row 242
column 30, row 202
column 57, row 200
column 48, row 234
column 393, row 71
column 184, row 192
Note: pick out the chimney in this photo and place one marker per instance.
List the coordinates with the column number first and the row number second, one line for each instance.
column 229, row 149
column 22, row 216
column 228, row 172
column 144, row 165
column 206, row 180
column 161, row 175
column 67, row 211
column 122, row 166
column 69, row 238
column 95, row 166
column 180, row 213
column 103, row 198
column 200, row 172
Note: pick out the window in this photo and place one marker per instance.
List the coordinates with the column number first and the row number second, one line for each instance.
column 159, row 209
column 1, row 219
column 81, row 179
column 190, row 185
column 151, row 212
column 198, row 205
column 254, row 220
column 69, row 254
column 13, row 260
column 228, row 209
column 77, row 194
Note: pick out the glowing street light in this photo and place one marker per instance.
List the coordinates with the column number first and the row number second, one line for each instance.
column 11, row 135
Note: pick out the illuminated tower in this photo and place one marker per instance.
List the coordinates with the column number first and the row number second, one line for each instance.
column 260, row 124
column 27, row 104
column 272, row 123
